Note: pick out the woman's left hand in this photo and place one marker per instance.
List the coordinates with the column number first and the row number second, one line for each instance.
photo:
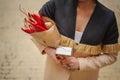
column 70, row 63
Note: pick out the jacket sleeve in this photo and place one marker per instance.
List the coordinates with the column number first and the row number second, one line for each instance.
column 48, row 9
column 96, row 62
column 110, row 46
column 110, row 41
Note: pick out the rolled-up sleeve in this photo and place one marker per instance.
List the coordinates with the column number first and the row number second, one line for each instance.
column 96, row 62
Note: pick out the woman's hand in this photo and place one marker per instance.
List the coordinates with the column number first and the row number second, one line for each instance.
column 52, row 53
column 68, row 62
column 71, row 63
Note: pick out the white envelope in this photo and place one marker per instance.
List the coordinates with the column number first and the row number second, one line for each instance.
column 64, row 51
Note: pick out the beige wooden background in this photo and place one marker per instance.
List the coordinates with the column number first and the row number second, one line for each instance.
column 19, row 57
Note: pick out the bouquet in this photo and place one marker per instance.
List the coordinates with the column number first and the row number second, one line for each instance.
column 44, row 30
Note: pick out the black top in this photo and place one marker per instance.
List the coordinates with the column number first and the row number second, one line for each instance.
column 101, row 28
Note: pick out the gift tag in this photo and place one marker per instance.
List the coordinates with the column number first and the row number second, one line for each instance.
column 64, row 51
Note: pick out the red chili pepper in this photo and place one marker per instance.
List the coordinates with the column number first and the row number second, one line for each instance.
column 29, row 15
column 32, row 23
column 35, row 23
column 42, row 21
column 29, row 31
column 39, row 20
column 37, row 27
column 32, row 28
column 40, row 28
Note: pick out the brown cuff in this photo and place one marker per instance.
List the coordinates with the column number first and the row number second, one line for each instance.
column 111, row 48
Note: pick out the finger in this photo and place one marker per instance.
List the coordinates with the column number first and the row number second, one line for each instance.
column 60, row 57
column 55, row 59
column 65, row 61
column 66, row 67
column 69, row 58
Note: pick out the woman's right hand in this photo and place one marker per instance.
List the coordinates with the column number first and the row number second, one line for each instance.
column 52, row 53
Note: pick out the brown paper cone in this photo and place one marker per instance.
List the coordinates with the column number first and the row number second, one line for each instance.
column 50, row 37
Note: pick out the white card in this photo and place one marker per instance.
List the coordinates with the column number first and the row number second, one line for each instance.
column 64, row 51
